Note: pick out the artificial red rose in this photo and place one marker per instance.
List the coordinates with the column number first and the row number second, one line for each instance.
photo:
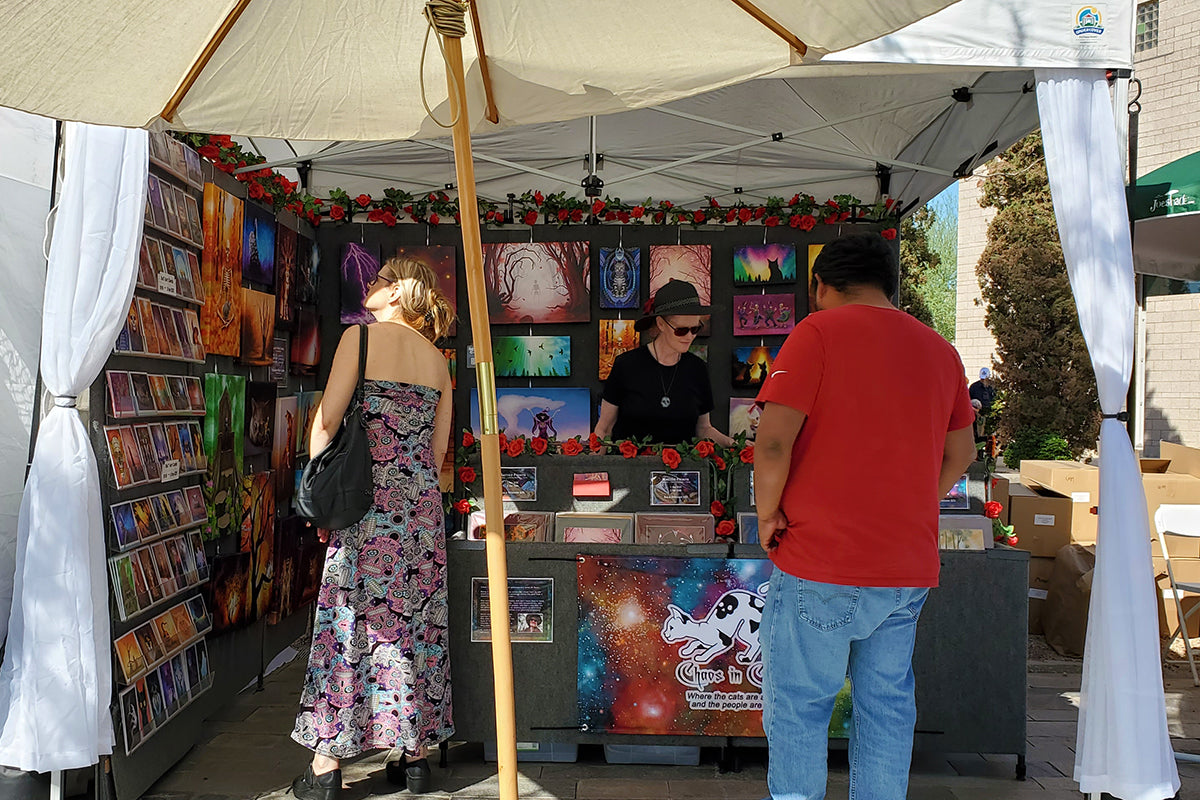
column 538, row 445
column 698, row 216
column 731, row 215
column 725, row 528
column 530, row 217
column 388, row 219
column 597, row 207
column 628, row 449
column 670, row 457
column 747, row 454
column 831, row 219
column 489, row 216
column 241, row 163
column 337, row 212
column 704, row 448
column 794, row 221
column 759, row 212
column 463, row 506
column 563, row 214
column 466, row 474
column 659, row 216
column 717, row 509
column 457, row 218
column 576, row 215
column 720, row 462
column 571, row 447
column 256, row 191
column 503, row 441
column 807, row 222
column 888, row 203
column 516, row 447
column 992, row 509
column 712, row 201
column 468, row 439
column 771, row 221
column 594, row 443
column 375, row 215
column 209, row 151
column 221, row 140
column 610, row 216
column 637, row 212
column 408, row 210
column 432, row 197
column 646, row 451
column 1012, row 541
column 744, row 214
column 667, row 204
column 833, row 204
column 538, row 198
column 888, row 233
column 842, row 217
column 795, row 201
column 434, row 219
column 623, row 217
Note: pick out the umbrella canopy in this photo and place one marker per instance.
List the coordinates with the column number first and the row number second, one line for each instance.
column 1165, row 208
column 352, row 70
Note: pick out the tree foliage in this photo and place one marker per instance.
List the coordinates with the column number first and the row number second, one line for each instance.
column 1044, row 372
column 928, row 269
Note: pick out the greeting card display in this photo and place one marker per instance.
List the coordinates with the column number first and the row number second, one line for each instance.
column 570, row 526
column 537, row 282
column 616, row 336
column 440, row 259
column 221, row 267
column 559, row 413
column 758, row 264
column 752, row 365
column 360, row 265
column 532, row 356
column 674, row 528
column 519, row 526
column 620, row 277
column 763, row 314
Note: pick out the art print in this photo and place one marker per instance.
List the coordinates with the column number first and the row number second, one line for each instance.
column 133, row 455
column 129, row 657
column 221, row 267
column 558, row 413
column 674, row 488
column 143, row 519
column 195, row 500
column 674, row 528
column 258, row 327
column 146, row 272
column 134, row 341
column 195, row 175
column 814, row 250
column 452, row 364
column 283, row 449
column 193, row 326
column 157, row 208
column 306, row 342
column 228, row 592
column 124, row 525
column 286, row 242
column 260, row 417
column 442, row 260
column 620, row 277
column 183, row 273
column 306, row 413
column 519, row 483
column 308, row 259
column 747, row 525
column 179, row 394
column 195, row 228
column 537, row 282
column 759, row 264
column 763, row 314
column 120, row 394
column 744, row 414
column 616, row 336
column 571, row 526
column 752, row 365
column 258, row 245
column 224, row 441
column 360, row 265
column 153, row 468
column 195, row 392
column 532, row 356
column 179, row 326
column 116, row 455
column 258, row 537
column 682, row 262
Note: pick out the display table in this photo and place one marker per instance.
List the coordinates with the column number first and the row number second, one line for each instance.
column 970, row 658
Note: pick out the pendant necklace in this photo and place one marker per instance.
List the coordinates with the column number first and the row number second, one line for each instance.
column 665, row 402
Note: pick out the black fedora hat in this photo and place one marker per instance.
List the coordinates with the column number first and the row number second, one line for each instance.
column 676, row 297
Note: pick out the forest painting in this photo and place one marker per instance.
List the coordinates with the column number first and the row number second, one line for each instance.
column 682, row 262
column 532, row 356
column 258, row 327
column 285, row 271
column 537, row 282
column 616, row 337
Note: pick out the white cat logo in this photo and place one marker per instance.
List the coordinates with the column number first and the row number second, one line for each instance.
column 735, row 617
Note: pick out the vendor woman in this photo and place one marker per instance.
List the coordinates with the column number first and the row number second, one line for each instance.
column 661, row 391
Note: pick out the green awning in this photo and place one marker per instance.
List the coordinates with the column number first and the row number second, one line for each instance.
column 1165, row 208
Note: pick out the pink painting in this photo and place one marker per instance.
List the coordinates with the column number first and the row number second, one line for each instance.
column 537, row 282
column 763, row 314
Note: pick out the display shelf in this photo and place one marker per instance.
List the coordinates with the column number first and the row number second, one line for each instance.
column 136, row 395
column 132, row 586
column 143, row 648
column 148, row 705
column 147, row 519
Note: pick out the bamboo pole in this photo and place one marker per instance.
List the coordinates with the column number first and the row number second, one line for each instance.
column 489, row 442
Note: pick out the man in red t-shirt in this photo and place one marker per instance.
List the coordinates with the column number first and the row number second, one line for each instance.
column 866, row 424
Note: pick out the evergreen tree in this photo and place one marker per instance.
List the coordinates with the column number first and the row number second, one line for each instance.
column 918, row 263
column 1045, row 375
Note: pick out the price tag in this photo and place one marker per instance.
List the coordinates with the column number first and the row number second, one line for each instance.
column 170, row 470
column 166, row 283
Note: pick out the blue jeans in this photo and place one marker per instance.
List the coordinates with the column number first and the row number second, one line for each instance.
column 811, row 634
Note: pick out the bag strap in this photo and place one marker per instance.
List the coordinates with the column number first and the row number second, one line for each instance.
column 362, row 361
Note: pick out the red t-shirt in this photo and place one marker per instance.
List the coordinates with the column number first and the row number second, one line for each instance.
column 879, row 390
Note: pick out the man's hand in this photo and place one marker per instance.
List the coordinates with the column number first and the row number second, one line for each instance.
column 771, row 529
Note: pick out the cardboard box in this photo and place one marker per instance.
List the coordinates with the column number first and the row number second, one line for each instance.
column 1183, row 460
column 1041, row 519
column 1039, row 581
column 1080, row 482
column 1000, row 495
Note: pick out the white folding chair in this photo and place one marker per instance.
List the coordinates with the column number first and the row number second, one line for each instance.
column 1179, row 520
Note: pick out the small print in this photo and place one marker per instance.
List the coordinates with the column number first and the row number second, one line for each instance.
column 530, row 610
column 675, row 488
column 519, row 483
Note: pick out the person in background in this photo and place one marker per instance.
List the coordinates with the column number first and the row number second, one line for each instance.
column 984, row 392
column 660, row 390
column 379, row 671
column 853, row 564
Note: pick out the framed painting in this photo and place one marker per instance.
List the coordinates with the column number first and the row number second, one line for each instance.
column 616, row 336
column 442, row 259
column 258, row 327
column 537, row 282
column 221, row 269
column 620, row 277
column 532, row 356
column 752, row 365
column 758, row 264
column 258, row 246
column 360, row 265
column 743, row 417
column 547, row 412
column 763, row 314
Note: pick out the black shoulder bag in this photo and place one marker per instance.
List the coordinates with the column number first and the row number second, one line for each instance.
column 337, row 488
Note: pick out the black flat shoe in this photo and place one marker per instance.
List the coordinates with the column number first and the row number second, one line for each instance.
column 395, row 772
column 418, row 776
column 326, row 786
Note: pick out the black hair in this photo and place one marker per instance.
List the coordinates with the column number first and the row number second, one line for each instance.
column 860, row 259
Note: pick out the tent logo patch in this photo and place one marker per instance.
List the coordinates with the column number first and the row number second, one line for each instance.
column 1087, row 22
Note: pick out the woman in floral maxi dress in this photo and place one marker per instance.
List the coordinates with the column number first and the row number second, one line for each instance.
column 378, row 672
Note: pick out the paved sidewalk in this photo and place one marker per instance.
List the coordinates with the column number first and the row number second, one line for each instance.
column 246, row 753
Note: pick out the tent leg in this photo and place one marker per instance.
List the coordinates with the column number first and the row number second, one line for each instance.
column 56, row 785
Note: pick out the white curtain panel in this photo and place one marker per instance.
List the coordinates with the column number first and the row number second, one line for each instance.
column 1123, row 746
column 56, row 682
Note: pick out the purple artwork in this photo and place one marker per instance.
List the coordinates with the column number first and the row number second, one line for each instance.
column 360, row 265
column 763, row 314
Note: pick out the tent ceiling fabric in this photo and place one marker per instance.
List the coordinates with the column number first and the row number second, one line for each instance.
column 350, row 70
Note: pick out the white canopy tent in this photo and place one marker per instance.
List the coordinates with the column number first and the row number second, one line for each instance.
column 889, row 103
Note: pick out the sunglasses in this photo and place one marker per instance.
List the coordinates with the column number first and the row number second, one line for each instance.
column 684, row 330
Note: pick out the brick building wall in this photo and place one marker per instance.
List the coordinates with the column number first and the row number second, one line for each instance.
column 973, row 340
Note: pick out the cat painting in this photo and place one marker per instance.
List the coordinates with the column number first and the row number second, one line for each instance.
column 260, row 417
column 735, row 617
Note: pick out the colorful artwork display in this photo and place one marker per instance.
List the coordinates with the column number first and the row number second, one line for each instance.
column 306, row 342
column 308, row 259
column 221, row 269
column 763, row 314
column 258, row 245
column 283, row 449
column 682, row 262
column 655, row 657
column 616, row 336
column 258, row 537
column 743, row 417
column 537, row 282
column 441, row 259
column 548, row 413
column 532, row 356
column 758, row 264
column 258, row 327
column 752, row 365
column 286, row 241
column 620, row 277
column 360, row 265
column 228, row 593
column 224, row 442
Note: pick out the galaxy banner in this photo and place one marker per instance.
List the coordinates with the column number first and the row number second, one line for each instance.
column 670, row 645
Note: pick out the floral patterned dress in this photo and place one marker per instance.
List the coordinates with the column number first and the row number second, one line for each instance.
column 379, row 669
